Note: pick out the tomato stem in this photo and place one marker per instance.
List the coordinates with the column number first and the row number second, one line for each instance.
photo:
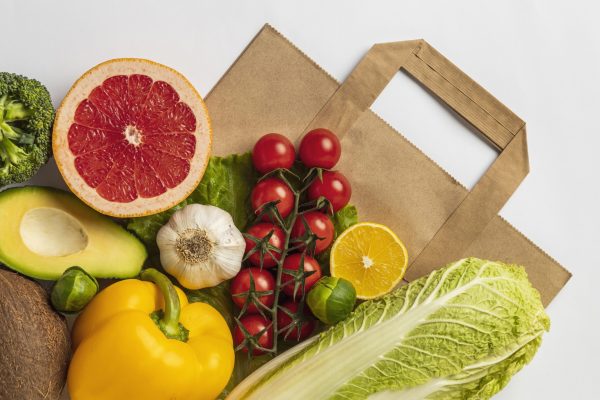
column 288, row 232
column 287, row 228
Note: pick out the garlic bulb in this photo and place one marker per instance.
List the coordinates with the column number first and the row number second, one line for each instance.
column 201, row 246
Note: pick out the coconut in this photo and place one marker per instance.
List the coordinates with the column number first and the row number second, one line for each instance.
column 34, row 341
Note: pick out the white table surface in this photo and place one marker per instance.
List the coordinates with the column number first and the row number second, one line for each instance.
column 541, row 58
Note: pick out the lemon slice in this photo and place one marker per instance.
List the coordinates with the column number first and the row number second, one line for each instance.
column 370, row 256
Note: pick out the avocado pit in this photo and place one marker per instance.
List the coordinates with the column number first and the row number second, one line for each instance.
column 51, row 232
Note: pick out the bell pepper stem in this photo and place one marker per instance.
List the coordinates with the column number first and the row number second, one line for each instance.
column 167, row 321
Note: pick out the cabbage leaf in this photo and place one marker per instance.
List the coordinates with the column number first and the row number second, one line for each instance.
column 459, row 333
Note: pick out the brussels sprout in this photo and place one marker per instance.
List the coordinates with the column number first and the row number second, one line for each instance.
column 73, row 290
column 331, row 299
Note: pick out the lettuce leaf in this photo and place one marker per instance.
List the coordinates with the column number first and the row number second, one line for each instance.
column 227, row 184
column 344, row 219
column 459, row 333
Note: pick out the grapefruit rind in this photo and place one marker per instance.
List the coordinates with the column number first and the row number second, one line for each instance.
column 82, row 88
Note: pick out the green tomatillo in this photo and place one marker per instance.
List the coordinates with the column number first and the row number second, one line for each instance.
column 331, row 299
column 73, row 290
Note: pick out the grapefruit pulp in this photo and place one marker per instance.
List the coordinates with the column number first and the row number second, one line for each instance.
column 132, row 138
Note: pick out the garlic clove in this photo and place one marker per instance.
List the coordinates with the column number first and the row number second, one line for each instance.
column 213, row 219
column 229, row 260
column 185, row 218
column 200, row 275
column 170, row 261
column 166, row 236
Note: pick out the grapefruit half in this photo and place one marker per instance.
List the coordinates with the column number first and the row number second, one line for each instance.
column 132, row 137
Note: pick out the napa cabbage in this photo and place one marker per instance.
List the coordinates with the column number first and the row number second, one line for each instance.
column 459, row 333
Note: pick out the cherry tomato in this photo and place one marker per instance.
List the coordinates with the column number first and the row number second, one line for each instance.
column 254, row 323
column 334, row 186
column 272, row 189
column 320, row 148
column 319, row 224
column 263, row 282
column 277, row 240
column 307, row 324
column 292, row 262
column 273, row 151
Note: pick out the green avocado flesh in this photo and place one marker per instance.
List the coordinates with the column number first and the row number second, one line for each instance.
column 44, row 231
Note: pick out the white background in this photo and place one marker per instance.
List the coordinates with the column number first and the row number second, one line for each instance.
column 541, row 58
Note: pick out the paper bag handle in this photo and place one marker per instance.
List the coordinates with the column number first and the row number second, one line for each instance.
column 486, row 114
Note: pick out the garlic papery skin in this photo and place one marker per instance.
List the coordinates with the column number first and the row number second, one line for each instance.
column 201, row 246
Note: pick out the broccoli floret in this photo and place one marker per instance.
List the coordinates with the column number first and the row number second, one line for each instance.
column 26, row 116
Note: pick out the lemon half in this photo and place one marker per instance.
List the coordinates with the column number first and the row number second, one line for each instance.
column 370, row 256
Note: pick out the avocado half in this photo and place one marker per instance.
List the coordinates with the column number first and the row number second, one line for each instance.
column 44, row 231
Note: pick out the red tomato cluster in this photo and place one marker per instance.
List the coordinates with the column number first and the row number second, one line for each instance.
column 319, row 148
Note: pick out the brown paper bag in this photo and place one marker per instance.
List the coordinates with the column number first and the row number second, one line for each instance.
column 274, row 87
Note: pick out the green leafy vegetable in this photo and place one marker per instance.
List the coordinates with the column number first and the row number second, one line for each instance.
column 26, row 115
column 459, row 333
column 344, row 219
column 226, row 184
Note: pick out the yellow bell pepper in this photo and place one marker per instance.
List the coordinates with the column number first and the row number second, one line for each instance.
column 125, row 349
